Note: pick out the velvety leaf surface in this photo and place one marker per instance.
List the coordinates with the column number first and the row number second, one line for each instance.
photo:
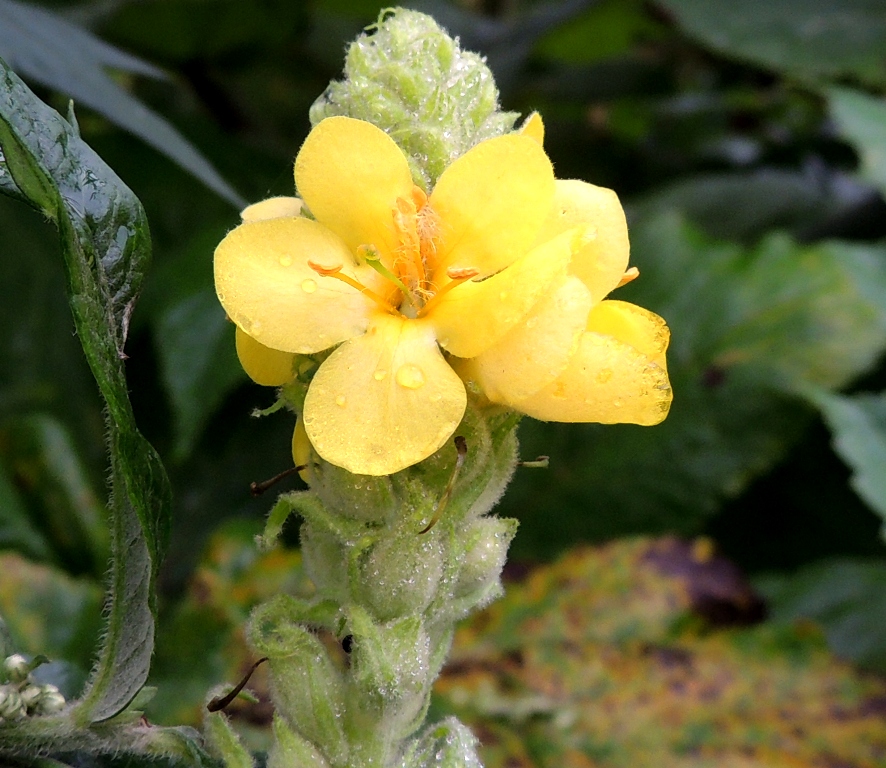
column 105, row 245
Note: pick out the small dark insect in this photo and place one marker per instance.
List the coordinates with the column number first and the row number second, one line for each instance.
column 347, row 643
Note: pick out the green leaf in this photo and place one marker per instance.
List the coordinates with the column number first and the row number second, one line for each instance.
column 810, row 39
column 862, row 121
column 67, row 58
column 16, row 529
column 105, row 244
column 750, row 328
column 54, row 482
column 199, row 363
column 49, row 612
column 847, row 596
column 739, row 206
column 858, row 425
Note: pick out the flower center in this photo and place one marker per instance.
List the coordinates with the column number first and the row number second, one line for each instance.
column 413, row 268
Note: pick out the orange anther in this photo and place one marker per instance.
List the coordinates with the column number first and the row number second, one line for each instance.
column 632, row 274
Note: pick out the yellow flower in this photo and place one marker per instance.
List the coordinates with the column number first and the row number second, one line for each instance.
column 500, row 272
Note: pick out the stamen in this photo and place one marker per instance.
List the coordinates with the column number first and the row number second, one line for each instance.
column 461, row 447
column 632, row 274
column 373, row 259
column 405, row 222
column 457, row 275
column 367, row 292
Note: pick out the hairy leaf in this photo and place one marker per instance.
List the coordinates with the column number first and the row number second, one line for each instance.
column 105, row 244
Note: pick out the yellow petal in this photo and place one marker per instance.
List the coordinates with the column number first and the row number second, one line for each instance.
column 538, row 350
column 607, row 381
column 473, row 316
column 602, row 262
column 302, row 452
column 643, row 330
column 265, row 366
column 266, row 287
column 491, row 202
column 272, row 208
column 384, row 401
column 350, row 174
column 534, row 127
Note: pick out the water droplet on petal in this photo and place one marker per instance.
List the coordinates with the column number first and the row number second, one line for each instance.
column 604, row 375
column 286, row 260
column 308, row 285
column 379, row 374
column 221, row 297
column 531, row 322
column 618, row 403
column 340, row 401
column 503, row 295
column 436, row 397
column 256, row 327
column 410, row 376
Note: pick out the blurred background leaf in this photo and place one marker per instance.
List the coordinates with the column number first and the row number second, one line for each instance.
column 60, row 55
column 809, row 39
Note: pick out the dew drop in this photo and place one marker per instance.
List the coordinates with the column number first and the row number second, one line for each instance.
column 221, row 297
column 256, row 327
column 604, row 375
column 340, row 401
column 308, row 285
column 379, row 374
column 410, row 376
column 286, row 260
column 436, row 397
column 618, row 403
column 531, row 322
column 503, row 295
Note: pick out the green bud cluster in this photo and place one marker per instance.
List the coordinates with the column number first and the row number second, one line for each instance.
column 392, row 591
column 408, row 77
column 20, row 696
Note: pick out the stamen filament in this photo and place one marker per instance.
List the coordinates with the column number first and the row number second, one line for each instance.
column 367, row 292
column 457, row 275
column 632, row 274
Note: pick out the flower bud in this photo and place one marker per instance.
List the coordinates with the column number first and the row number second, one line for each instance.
column 486, row 547
column 16, row 668
column 50, row 701
column 401, row 574
column 11, row 705
column 412, row 80
column 30, row 694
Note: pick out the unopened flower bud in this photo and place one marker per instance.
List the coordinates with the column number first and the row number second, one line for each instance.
column 50, row 701
column 30, row 694
column 16, row 668
column 11, row 705
column 487, row 541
